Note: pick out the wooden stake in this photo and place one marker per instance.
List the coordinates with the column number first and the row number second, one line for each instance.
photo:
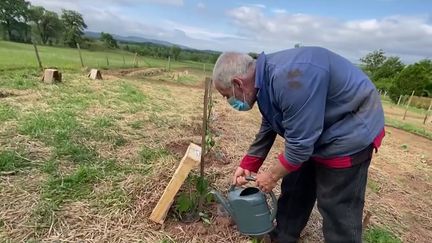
column 399, row 100
column 190, row 160
column 37, row 56
column 107, row 61
column 204, row 125
column 409, row 102
column 124, row 61
column 204, row 70
column 79, row 52
column 135, row 58
column 427, row 112
column 169, row 63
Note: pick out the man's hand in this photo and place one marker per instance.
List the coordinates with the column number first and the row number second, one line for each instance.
column 239, row 176
column 266, row 181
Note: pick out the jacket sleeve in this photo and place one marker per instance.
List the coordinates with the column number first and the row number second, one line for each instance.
column 260, row 147
column 301, row 93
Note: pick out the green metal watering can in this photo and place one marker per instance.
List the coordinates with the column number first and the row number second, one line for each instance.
column 248, row 208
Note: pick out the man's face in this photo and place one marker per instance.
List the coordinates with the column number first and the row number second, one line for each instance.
column 240, row 90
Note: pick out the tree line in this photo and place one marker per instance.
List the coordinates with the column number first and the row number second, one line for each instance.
column 22, row 22
column 390, row 74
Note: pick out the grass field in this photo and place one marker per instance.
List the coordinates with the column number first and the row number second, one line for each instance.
column 87, row 160
column 16, row 56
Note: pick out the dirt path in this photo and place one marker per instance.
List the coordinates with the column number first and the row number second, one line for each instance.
column 399, row 196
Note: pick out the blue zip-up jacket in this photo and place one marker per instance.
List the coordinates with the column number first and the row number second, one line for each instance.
column 322, row 104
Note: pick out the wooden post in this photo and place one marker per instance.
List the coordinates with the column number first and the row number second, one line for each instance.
column 169, row 63
column 135, row 58
column 409, row 102
column 79, row 52
column 427, row 112
column 190, row 160
column 124, row 61
column 107, row 61
column 204, row 70
column 399, row 100
column 37, row 56
column 204, row 125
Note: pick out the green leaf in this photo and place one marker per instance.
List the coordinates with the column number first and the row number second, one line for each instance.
column 184, row 203
column 202, row 186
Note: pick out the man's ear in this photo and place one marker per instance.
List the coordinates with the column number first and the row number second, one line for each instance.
column 237, row 82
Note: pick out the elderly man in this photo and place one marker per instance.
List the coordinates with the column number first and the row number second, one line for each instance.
column 331, row 117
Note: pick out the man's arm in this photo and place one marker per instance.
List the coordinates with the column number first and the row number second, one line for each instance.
column 260, row 147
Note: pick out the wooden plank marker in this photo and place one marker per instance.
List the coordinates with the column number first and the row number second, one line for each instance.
column 51, row 76
column 95, row 74
column 190, row 160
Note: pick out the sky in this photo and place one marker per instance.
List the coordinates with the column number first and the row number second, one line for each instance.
column 349, row 28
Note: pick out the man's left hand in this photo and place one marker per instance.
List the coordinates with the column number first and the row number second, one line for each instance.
column 265, row 181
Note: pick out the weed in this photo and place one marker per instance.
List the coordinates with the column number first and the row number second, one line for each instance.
column 374, row 185
column 404, row 146
column 115, row 198
column 58, row 129
column 380, row 235
column 44, row 214
column 11, row 161
column 75, row 186
column 131, row 94
column 19, row 79
column 49, row 125
column 104, row 122
column 50, row 167
column 136, row 124
column 7, row 112
column 75, row 151
column 119, row 141
column 148, row 154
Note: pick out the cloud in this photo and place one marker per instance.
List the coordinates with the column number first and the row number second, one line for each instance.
column 406, row 36
column 257, row 5
column 279, row 10
column 201, row 5
column 254, row 27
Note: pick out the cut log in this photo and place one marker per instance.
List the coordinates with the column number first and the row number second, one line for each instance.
column 95, row 74
column 51, row 76
column 191, row 159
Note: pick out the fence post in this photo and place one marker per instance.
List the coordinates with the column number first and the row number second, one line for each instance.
column 427, row 112
column 399, row 100
column 134, row 61
column 204, row 69
column 107, row 61
column 79, row 52
column 169, row 63
column 37, row 56
column 409, row 102
column 124, row 61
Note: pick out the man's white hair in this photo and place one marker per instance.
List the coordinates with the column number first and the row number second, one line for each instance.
column 230, row 64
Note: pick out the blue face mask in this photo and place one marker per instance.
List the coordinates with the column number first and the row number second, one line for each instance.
column 238, row 104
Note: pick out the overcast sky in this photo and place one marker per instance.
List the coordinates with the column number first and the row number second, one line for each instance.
column 351, row 28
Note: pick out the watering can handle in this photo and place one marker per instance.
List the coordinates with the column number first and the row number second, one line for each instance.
column 273, row 198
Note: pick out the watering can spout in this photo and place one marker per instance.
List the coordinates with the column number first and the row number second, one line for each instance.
column 222, row 201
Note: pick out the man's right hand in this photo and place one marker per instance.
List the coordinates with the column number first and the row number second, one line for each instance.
column 239, row 176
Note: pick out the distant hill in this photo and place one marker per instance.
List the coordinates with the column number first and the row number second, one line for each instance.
column 136, row 39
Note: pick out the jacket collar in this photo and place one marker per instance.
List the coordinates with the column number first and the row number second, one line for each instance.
column 259, row 70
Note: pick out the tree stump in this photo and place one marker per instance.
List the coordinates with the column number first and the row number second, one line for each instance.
column 95, row 74
column 51, row 76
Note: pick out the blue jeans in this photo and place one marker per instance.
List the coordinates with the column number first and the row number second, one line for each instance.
column 340, row 194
